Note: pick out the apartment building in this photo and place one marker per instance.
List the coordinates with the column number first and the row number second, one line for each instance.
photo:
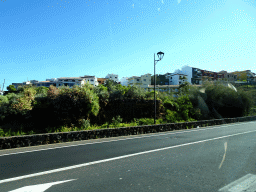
column 134, row 80
column 160, row 80
column 193, row 75
column 177, row 79
column 246, row 75
column 16, row 85
column 112, row 76
column 228, row 76
column 91, row 79
column 70, row 81
column 44, row 83
column 197, row 76
column 143, row 81
column 102, row 81
column 124, row 81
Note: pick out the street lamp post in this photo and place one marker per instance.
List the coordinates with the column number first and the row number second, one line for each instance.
column 160, row 56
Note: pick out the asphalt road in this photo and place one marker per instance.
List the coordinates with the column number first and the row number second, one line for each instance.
column 217, row 158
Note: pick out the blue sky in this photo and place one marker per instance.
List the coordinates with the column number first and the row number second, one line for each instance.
column 57, row 38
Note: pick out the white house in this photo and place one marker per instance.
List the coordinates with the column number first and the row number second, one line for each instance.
column 70, row 81
column 187, row 70
column 176, row 79
column 124, row 81
column 112, row 77
column 193, row 74
column 91, row 79
column 16, row 85
column 143, row 81
column 52, row 79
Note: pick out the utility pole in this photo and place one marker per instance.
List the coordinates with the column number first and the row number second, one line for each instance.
column 3, row 87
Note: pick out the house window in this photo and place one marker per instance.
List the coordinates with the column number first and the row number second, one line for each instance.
column 144, row 79
column 138, row 80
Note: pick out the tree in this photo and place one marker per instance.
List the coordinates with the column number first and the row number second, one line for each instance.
column 11, row 88
column 184, row 87
column 25, row 101
column 135, row 92
column 22, row 87
column 72, row 104
column 110, row 84
column 102, row 93
column 42, row 91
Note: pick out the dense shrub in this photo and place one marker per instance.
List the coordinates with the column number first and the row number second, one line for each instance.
column 41, row 91
column 102, row 93
column 17, row 104
column 227, row 102
column 25, row 101
column 179, row 109
column 135, row 92
column 72, row 104
column 117, row 120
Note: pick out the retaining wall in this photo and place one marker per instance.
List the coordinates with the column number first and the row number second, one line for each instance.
column 49, row 138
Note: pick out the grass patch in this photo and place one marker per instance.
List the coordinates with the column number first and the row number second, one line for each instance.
column 8, row 132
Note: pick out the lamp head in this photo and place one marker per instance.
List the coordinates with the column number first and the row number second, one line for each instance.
column 160, row 55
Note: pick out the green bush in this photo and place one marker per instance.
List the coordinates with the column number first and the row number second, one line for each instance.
column 72, row 104
column 227, row 102
column 116, row 121
column 146, row 121
column 85, row 124
column 172, row 116
column 17, row 104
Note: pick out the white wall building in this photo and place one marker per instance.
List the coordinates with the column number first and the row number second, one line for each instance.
column 187, row 70
column 112, row 77
column 124, row 81
column 176, row 79
column 134, row 80
column 52, row 79
column 16, row 85
column 192, row 74
column 143, row 81
column 91, row 79
column 70, row 81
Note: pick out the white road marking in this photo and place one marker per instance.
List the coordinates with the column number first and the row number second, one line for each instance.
column 246, row 183
column 225, row 147
column 40, row 187
column 115, row 158
column 135, row 137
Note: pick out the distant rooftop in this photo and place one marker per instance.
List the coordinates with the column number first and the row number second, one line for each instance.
column 70, row 78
